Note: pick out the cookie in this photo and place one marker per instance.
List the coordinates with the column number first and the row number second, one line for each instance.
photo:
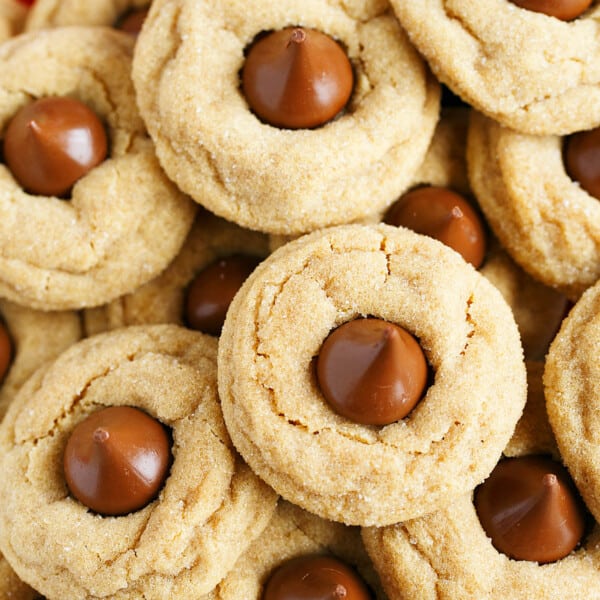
column 124, row 220
column 571, row 383
column 334, row 467
column 544, row 219
column 163, row 300
column 293, row 533
column 36, row 337
column 46, row 14
column 447, row 554
column 526, row 70
column 273, row 179
column 182, row 543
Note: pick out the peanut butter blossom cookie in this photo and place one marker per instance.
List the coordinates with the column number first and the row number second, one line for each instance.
column 370, row 420
column 285, row 116
column 119, row 478
column 88, row 213
column 537, row 193
column 529, row 64
column 523, row 533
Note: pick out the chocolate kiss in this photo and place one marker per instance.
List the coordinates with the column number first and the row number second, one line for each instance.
column 315, row 578
column 443, row 215
column 530, row 509
column 582, row 160
column 297, row 78
column 371, row 371
column 6, row 351
column 53, row 142
column 116, row 460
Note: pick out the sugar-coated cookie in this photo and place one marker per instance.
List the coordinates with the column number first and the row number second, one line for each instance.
column 125, row 220
column 264, row 177
column 183, row 542
column 343, row 470
column 530, row 71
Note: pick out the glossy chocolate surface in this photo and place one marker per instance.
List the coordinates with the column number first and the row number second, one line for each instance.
column 582, row 160
column 315, row 578
column 444, row 215
column 530, row 509
column 297, row 78
column 116, row 460
column 561, row 9
column 212, row 290
column 132, row 22
column 6, row 351
column 51, row 143
column 371, row 371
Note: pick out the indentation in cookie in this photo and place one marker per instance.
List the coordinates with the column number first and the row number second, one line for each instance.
column 52, row 142
column 297, row 78
column 371, row 371
column 132, row 21
column 530, row 509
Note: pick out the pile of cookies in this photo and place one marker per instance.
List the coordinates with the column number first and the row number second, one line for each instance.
column 298, row 299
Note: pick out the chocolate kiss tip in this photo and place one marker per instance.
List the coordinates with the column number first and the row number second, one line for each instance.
column 100, row 435
column 298, row 36
column 550, row 480
column 339, row 592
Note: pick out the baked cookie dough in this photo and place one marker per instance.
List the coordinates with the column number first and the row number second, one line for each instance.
column 447, row 555
column 12, row 17
column 547, row 222
column 162, row 299
column 180, row 545
column 125, row 220
column 45, row 14
column 527, row 70
column 341, row 470
column 275, row 180
column 37, row 337
column 293, row 532
column 572, row 387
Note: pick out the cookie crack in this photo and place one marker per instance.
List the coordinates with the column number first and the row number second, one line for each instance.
column 470, row 322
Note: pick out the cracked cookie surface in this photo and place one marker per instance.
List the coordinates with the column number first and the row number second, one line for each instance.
column 447, row 555
column 525, row 69
column 282, row 181
column 125, row 220
column 45, row 14
column 547, row 222
column 181, row 544
column 360, row 474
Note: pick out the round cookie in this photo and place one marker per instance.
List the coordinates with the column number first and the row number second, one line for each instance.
column 293, row 532
column 12, row 17
column 345, row 471
column 447, row 554
column 262, row 177
column 45, row 14
column 572, row 387
column 162, row 299
column 543, row 218
column 37, row 337
column 178, row 546
column 529, row 71
column 125, row 220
